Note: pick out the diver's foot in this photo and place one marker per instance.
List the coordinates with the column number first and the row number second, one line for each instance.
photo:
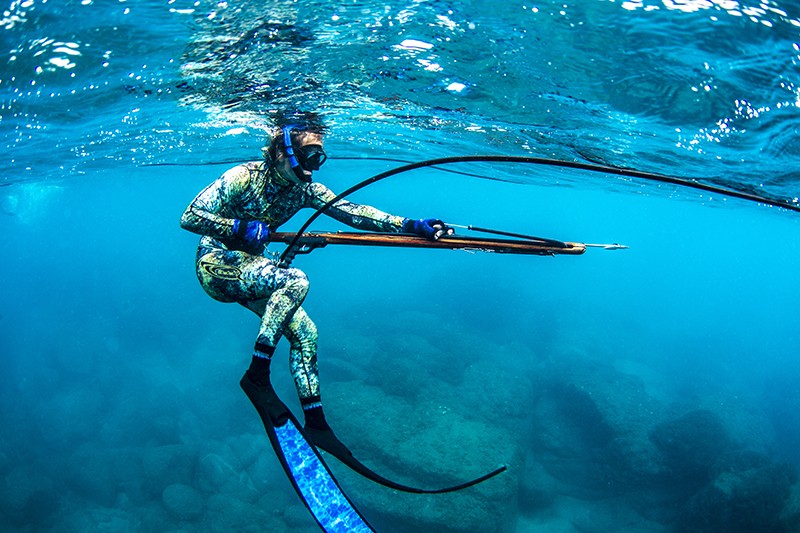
column 324, row 439
column 258, row 373
column 258, row 377
column 265, row 400
column 314, row 415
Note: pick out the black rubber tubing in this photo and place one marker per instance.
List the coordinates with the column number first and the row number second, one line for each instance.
column 591, row 167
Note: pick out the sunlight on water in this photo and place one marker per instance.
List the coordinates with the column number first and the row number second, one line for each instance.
column 764, row 13
column 513, row 79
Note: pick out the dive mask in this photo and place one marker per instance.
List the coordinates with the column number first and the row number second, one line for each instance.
column 309, row 157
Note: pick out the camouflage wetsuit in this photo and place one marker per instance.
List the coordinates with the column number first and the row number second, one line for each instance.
column 255, row 191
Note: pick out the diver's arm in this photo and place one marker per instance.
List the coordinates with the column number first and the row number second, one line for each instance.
column 356, row 215
column 202, row 216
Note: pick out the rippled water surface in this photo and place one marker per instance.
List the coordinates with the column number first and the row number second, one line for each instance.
column 696, row 88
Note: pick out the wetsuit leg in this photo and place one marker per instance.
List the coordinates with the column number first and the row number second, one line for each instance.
column 232, row 276
column 276, row 295
column 302, row 336
column 291, row 287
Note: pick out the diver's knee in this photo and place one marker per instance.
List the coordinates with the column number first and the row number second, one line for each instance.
column 298, row 280
column 297, row 275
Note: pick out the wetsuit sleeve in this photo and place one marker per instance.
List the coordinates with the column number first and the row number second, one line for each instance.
column 209, row 212
column 358, row 216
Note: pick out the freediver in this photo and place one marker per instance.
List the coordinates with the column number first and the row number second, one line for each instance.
column 235, row 216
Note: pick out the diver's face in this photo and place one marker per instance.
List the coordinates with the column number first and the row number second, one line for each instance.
column 304, row 138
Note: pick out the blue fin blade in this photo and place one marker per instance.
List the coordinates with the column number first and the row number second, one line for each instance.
column 303, row 464
column 314, row 482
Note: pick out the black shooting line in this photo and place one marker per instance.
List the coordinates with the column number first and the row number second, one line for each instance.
column 239, row 161
column 592, row 167
column 332, row 158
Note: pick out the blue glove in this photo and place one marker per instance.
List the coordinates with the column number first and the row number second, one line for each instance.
column 430, row 228
column 253, row 235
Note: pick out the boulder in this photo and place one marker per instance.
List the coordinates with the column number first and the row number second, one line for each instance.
column 742, row 498
column 538, row 489
column 691, row 444
column 90, row 473
column 166, row 465
column 424, row 444
column 590, row 429
column 228, row 513
column 26, row 497
column 182, row 501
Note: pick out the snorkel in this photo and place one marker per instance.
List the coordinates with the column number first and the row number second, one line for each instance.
column 308, row 158
column 298, row 170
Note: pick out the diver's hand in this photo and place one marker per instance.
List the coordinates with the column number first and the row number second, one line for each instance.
column 430, row 228
column 254, row 235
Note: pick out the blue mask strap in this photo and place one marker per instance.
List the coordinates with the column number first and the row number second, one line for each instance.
column 287, row 140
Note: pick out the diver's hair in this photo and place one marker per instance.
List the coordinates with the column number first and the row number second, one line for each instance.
column 302, row 122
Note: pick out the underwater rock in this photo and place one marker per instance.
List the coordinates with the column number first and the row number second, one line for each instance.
column 228, row 513
column 266, row 473
column 398, row 376
column 182, row 501
column 71, row 416
column 691, row 444
column 424, row 444
column 297, row 518
column 238, row 467
column 245, row 449
column 165, row 465
column 743, row 500
column 497, row 394
column 92, row 518
column 603, row 516
column 744, row 419
column 99, row 474
column 343, row 351
column 26, row 497
column 404, row 366
column 244, row 468
column 457, row 367
column 790, row 516
column 91, row 474
column 739, row 461
column 590, row 430
column 537, row 488
column 410, row 363
column 213, row 472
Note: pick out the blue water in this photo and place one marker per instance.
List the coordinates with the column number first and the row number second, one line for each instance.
column 649, row 389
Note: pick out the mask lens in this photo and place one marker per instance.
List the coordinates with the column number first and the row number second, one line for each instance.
column 312, row 156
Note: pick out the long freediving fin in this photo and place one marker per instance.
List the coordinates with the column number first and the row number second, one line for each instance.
column 326, row 440
column 303, row 464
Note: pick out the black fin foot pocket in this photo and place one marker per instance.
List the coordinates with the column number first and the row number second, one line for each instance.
column 270, row 408
column 324, row 439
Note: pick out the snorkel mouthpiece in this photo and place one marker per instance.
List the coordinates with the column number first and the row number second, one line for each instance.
column 309, row 157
